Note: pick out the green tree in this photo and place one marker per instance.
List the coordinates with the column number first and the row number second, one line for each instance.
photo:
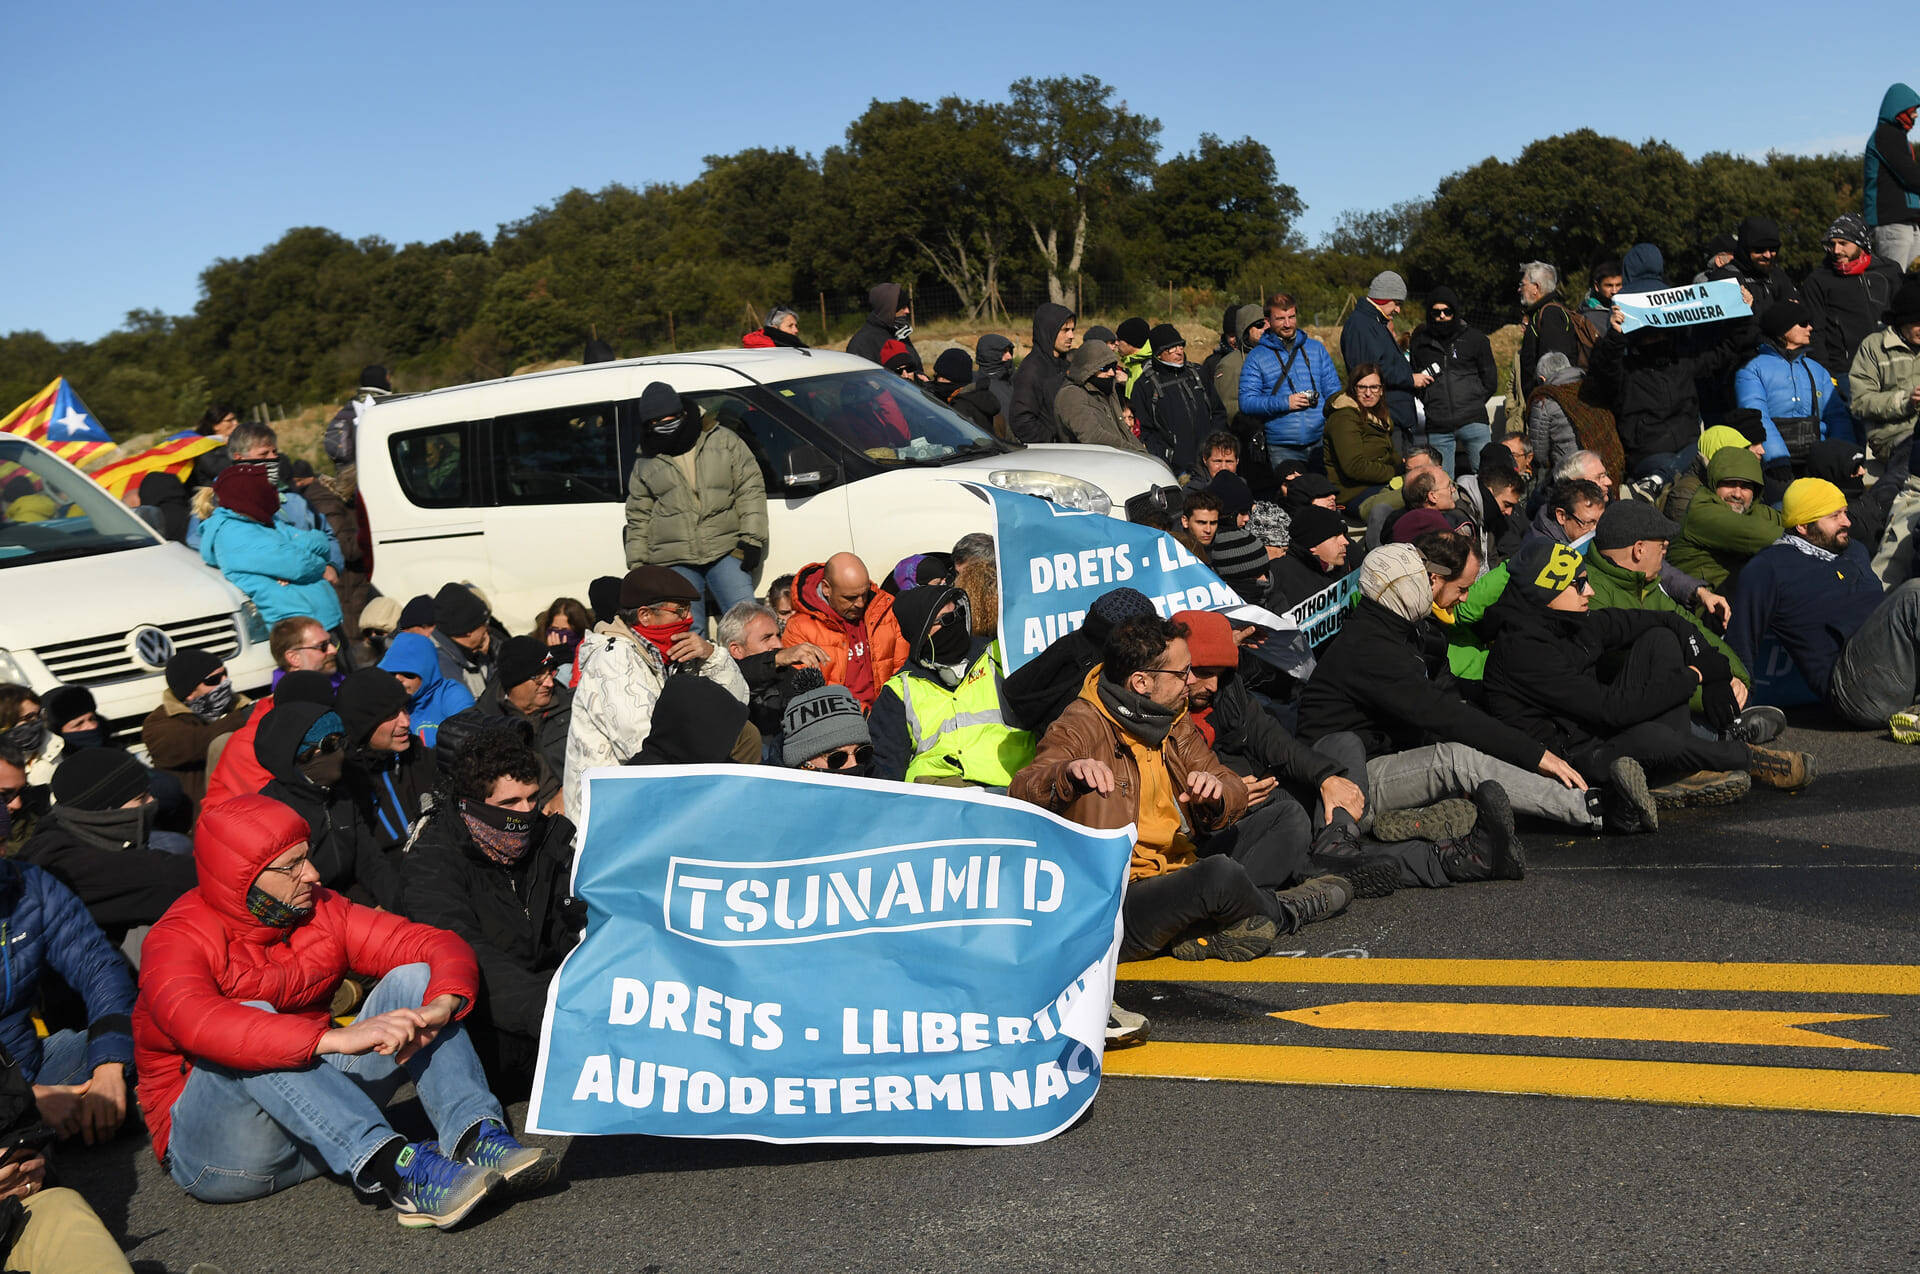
column 1379, row 232
column 1212, row 209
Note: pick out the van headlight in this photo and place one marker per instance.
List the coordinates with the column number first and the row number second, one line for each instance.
column 1073, row 493
column 10, row 669
column 252, row 621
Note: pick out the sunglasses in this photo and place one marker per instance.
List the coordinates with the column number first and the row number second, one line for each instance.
column 1440, row 311
column 850, row 755
column 332, row 743
column 216, row 678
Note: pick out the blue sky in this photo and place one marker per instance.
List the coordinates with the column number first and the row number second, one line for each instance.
column 154, row 138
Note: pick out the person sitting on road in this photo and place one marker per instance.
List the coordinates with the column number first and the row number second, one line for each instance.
column 73, row 716
column 698, row 722
column 524, row 694
column 1739, row 428
column 940, row 718
column 1812, row 590
column 433, row 696
column 247, row 1084
column 1315, row 560
column 201, row 703
column 389, row 778
column 299, row 644
column 1360, row 458
column 1544, row 676
column 838, row 610
column 1199, row 523
column 824, row 729
column 303, row 747
column 52, row 1230
column 750, row 631
column 625, row 664
column 1726, row 523
column 22, row 803
column 1042, row 688
column 1127, row 752
column 463, row 637
column 1798, row 402
column 1238, row 557
column 235, row 768
column 489, row 866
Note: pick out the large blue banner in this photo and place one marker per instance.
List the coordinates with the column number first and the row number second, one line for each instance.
column 1681, row 306
column 1055, row 562
column 786, row 956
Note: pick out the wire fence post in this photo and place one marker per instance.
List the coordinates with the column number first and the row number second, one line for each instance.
column 823, row 316
column 673, row 339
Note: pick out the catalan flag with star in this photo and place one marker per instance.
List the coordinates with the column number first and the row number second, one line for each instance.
column 57, row 420
column 175, row 455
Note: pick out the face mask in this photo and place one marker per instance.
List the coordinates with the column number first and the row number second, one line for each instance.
column 904, row 330
column 213, row 705
column 29, row 736
column 270, row 911
column 675, row 435
column 277, row 473
column 325, row 769
column 951, row 640
column 78, row 739
column 502, row 835
column 661, row 636
column 112, row 830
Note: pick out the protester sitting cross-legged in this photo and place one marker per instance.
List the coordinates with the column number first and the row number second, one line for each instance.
column 249, row 1087
column 526, row 693
column 940, row 719
column 1544, row 675
column 433, row 696
column 626, row 662
column 1726, row 522
column 200, row 704
column 837, row 608
column 1127, row 752
column 489, row 866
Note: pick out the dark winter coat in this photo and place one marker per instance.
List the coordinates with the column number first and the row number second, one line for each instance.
column 1892, row 187
column 1546, row 329
column 343, row 853
column 1467, row 377
column 545, row 731
column 1297, row 576
column 1249, row 740
column 881, row 326
column 45, row 929
column 1175, row 412
column 1367, row 337
column 177, row 740
column 1039, row 379
column 121, row 888
column 1041, row 688
column 1846, row 309
column 1648, row 384
column 390, row 791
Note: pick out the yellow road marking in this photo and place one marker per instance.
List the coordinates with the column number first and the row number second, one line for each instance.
column 1658, row 975
column 1583, row 1021
column 1672, row 1083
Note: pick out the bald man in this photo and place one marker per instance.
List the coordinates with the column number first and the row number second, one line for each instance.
column 837, row 608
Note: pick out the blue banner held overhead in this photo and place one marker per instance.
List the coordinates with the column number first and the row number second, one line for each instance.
column 1682, row 306
column 879, row 962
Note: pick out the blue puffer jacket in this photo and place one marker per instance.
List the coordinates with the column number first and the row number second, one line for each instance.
column 1263, row 394
column 1787, row 388
column 281, row 569
column 44, row 926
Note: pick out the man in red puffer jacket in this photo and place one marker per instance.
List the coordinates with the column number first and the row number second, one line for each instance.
column 232, row 1014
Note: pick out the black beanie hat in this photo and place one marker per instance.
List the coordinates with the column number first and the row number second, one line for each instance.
column 1112, row 609
column 304, row 686
column 1235, row 496
column 64, row 703
column 1780, row 316
column 1313, row 525
column 99, row 779
column 188, row 668
column 658, row 401
column 1748, row 420
column 1165, row 337
column 374, row 376
column 417, row 613
column 521, row 659
column 1756, row 233
column 1542, row 570
column 695, row 722
column 603, row 598
column 457, row 611
column 1135, row 332
column 367, row 698
column 954, row 365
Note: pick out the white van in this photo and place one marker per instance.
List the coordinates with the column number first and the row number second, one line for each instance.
column 95, row 598
column 518, row 485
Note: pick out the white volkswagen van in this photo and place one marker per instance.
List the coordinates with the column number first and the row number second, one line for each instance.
column 518, row 485
column 94, row 598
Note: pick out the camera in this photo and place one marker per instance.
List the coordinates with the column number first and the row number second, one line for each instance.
column 1313, row 398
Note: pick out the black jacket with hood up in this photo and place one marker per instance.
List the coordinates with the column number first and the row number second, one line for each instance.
column 1039, row 379
column 1176, row 410
column 883, row 301
column 346, row 860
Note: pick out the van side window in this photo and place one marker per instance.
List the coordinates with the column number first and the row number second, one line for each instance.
column 567, row 455
column 769, row 438
column 434, row 466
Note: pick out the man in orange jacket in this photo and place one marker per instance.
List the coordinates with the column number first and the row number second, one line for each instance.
column 837, row 608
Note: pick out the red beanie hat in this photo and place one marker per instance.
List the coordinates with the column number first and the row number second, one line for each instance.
column 248, row 491
column 1209, row 638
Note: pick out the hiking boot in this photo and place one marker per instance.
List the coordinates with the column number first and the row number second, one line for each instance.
column 1787, row 771
column 1703, row 787
column 436, row 1190
column 1443, row 820
column 1651, row 488
column 1905, row 726
column 523, row 1168
column 1760, row 723
column 1492, row 852
column 1371, row 875
column 1125, row 1028
column 1320, row 898
column 1247, row 939
column 1626, row 803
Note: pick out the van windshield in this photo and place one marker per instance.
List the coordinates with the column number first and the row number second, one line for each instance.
column 885, row 417
column 46, row 514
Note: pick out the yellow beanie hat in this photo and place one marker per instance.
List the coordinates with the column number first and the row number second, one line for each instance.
column 1810, row 499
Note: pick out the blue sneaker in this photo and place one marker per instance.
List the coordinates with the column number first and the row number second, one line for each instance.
column 436, row 1190
column 524, row 1168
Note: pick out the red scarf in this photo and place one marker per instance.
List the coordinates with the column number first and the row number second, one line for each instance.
column 1856, row 266
column 661, row 636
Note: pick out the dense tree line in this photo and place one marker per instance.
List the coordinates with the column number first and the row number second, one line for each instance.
column 1061, row 190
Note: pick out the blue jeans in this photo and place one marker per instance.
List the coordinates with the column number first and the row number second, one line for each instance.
column 246, row 1134
column 1465, row 442
column 63, row 1059
column 726, row 581
column 1313, row 456
column 1668, row 464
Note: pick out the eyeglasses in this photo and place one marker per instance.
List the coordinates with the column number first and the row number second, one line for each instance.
column 1185, row 674
column 218, row 677
column 1367, row 389
column 846, row 756
column 332, row 743
column 679, row 610
column 292, row 869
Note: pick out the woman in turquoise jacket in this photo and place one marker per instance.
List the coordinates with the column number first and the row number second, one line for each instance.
column 283, row 570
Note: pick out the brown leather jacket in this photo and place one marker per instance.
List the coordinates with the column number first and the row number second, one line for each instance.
column 1085, row 732
column 177, row 741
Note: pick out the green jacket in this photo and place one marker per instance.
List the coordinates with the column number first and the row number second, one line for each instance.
column 1716, row 542
column 670, row 523
column 1467, row 650
column 1617, row 588
column 1133, row 365
column 1359, row 449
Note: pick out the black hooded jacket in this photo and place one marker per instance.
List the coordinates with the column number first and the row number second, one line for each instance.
column 1297, row 575
column 1468, row 376
column 342, row 856
column 1647, row 381
column 1039, row 379
column 881, row 326
column 1250, row 741
column 1040, row 690
column 121, row 887
column 887, row 723
column 993, row 371
column 1176, row 410
column 545, row 731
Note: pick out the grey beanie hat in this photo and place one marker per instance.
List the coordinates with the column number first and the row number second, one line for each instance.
column 1387, row 286
column 819, row 721
column 1112, row 609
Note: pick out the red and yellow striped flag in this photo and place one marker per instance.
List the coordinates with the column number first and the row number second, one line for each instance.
column 175, row 456
column 57, row 420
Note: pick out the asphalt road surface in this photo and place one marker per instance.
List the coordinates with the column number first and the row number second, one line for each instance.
column 1655, row 1053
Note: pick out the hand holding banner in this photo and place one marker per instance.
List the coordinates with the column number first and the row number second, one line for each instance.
column 1692, row 303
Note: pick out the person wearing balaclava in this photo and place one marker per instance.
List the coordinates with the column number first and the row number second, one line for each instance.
column 163, row 505
column 941, row 719
column 489, row 866
column 955, row 385
column 993, row 370
column 389, row 776
column 696, row 722
column 696, row 502
column 1048, row 682
column 304, row 749
column 1172, row 404
column 201, row 703
column 99, row 840
column 1459, row 358
column 890, row 318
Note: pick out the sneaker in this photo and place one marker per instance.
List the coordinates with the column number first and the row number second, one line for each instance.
column 1787, row 771
column 1651, row 488
column 1905, row 726
column 1320, row 898
column 1443, row 820
column 1626, row 804
column 1703, row 787
column 1125, row 1028
column 1760, row 723
column 523, row 1168
column 1492, row 852
column 436, row 1190
column 1247, row 939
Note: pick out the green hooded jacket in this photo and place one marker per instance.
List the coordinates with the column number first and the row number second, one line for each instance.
column 1716, row 542
column 1619, row 588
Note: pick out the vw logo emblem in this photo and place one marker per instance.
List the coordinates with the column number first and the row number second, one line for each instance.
column 152, row 647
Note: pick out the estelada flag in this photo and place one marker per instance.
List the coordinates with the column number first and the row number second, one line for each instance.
column 176, row 456
column 57, row 420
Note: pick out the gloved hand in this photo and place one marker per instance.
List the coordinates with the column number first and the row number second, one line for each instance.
column 1716, row 697
column 751, row 555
